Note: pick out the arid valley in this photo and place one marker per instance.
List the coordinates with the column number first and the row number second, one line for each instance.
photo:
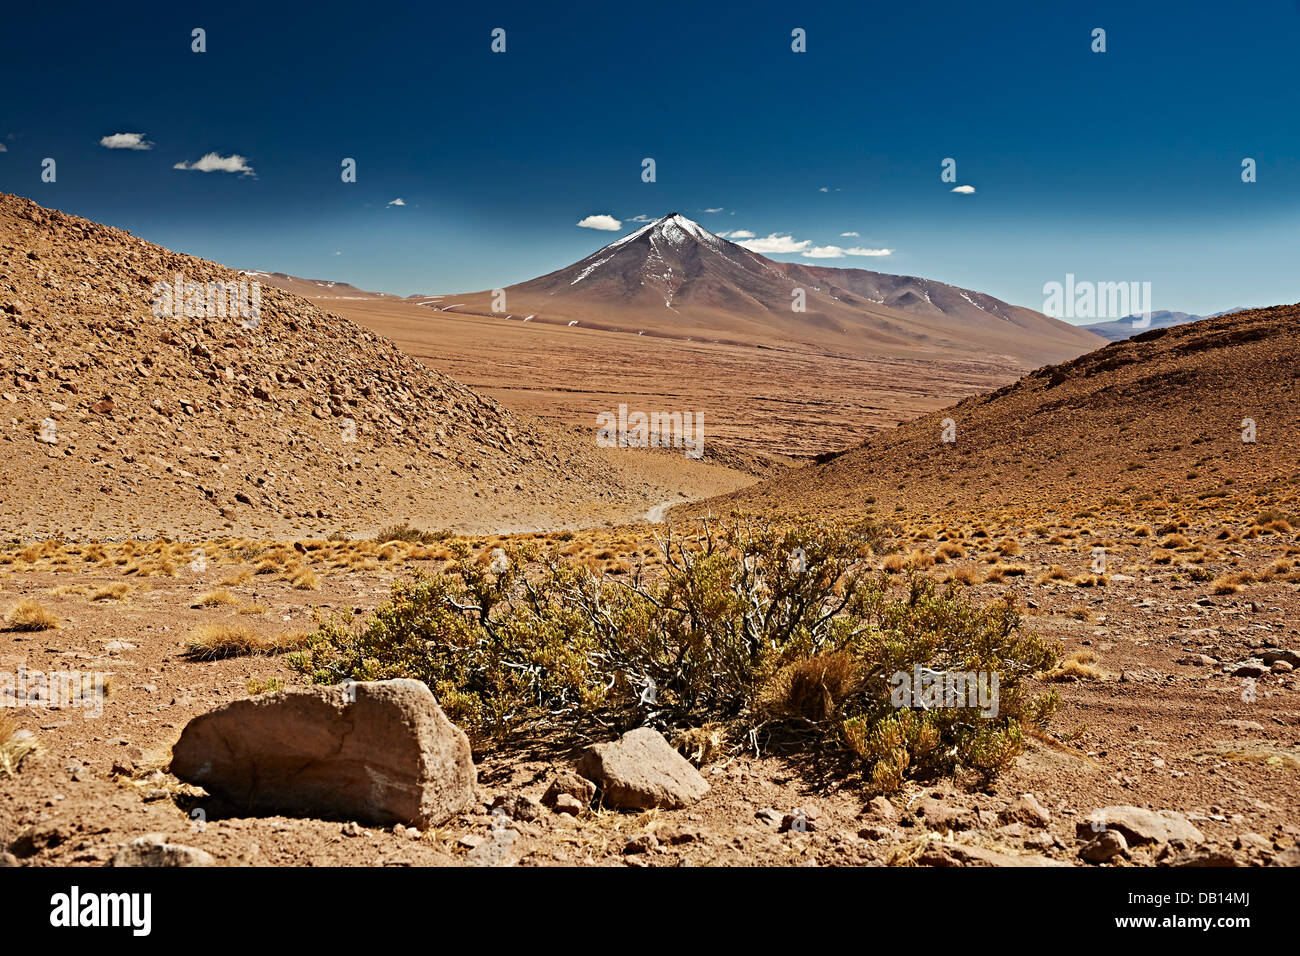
column 204, row 518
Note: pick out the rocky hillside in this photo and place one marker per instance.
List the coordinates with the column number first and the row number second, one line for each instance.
column 1203, row 413
column 118, row 421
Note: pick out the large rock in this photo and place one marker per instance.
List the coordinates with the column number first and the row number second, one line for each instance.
column 641, row 770
column 153, row 850
column 379, row 752
column 1140, row 826
column 940, row 854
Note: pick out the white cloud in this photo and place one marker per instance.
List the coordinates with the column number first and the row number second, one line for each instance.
column 338, row 253
column 737, row 234
column 716, row 209
column 964, row 190
column 602, row 222
column 847, row 234
column 399, row 201
column 125, row 141
column 837, row 252
column 216, row 163
column 641, row 218
column 3, row 148
column 824, row 189
column 775, row 243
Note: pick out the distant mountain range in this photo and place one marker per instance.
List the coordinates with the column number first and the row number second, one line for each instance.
column 1124, row 328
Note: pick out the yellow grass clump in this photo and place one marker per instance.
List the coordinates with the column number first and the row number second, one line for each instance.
column 210, row 642
column 29, row 615
column 215, row 599
column 16, row 745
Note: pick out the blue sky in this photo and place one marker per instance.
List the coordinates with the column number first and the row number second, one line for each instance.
column 1115, row 166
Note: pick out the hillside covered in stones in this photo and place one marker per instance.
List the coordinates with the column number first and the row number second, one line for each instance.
column 117, row 421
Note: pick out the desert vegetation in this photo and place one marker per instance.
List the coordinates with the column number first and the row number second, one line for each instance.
column 761, row 626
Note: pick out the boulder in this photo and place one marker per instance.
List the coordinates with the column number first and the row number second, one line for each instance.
column 641, row 770
column 1140, row 826
column 379, row 752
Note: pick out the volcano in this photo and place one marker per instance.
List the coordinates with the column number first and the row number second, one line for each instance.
column 674, row 277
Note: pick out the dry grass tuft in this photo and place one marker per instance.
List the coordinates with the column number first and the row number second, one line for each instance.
column 215, row 598
column 211, row 642
column 812, row 689
column 305, row 580
column 1078, row 666
column 16, row 745
column 111, row 592
column 29, row 615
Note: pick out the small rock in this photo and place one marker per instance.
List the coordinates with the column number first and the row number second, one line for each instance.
column 568, row 803
column 801, row 820
column 1029, row 811
column 643, row 843
column 1104, row 847
column 679, row 833
column 518, row 807
column 575, row 785
column 881, row 808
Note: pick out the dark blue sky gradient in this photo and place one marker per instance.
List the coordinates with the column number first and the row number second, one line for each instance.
column 1116, row 167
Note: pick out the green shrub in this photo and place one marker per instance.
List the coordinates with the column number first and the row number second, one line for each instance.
column 746, row 622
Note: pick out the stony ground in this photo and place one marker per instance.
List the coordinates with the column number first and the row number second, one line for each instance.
column 1179, row 695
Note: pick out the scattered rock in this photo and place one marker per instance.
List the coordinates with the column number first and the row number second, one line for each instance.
column 1104, row 847
column 643, row 843
column 940, row 816
column 1027, row 810
column 641, row 770
column 154, row 850
column 801, row 820
column 501, row 848
column 568, row 803
column 956, row 854
column 575, row 785
column 675, row 834
column 1242, row 724
column 383, row 753
column 1205, row 857
column 881, row 808
column 519, row 807
column 1140, row 826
